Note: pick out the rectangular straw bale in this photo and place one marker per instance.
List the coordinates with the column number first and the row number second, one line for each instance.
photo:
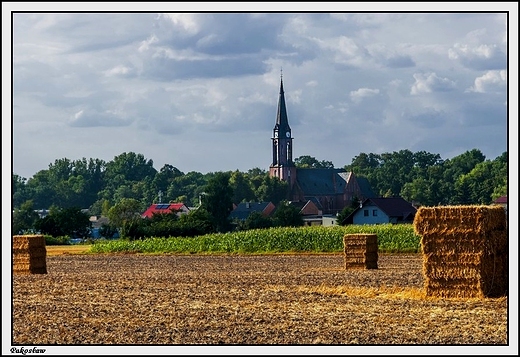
column 465, row 242
column 465, row 250
column 473, row 218
column 453, row 289
column 29, row 254
column 360, row 251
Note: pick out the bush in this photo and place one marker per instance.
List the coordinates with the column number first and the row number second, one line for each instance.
column 61, row 240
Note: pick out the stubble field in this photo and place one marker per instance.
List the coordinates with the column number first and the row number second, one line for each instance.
column 247, row 300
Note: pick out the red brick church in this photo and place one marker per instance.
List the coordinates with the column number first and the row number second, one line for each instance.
column 330, row 189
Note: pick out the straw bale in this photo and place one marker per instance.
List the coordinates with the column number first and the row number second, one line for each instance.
column 29, row 254
column 472, row 218
column 469, row 242
column 28, row 241
column 361, row 251
column 465, row 250
column 453, row 289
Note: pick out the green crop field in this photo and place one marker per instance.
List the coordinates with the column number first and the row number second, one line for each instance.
column 313, row 239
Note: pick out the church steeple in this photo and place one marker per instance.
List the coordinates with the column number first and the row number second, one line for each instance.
column 281, row 116
column 282, row 165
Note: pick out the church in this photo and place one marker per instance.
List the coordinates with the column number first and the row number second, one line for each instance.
column 330, row 190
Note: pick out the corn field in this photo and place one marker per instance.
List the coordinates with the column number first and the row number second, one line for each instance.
column 314, row 239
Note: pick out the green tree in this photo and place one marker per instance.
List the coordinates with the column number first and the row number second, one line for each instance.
column 454, row 169
column 479, row 185
column 286, row 215
column 310, row 162
column 24, row 218
column 242, row 188
column 345, row 212
column 255, row 220
column 187, row 188
column 195, row 223
column 20, row 194
column 217, row 200
column 69, row 221
column 163, row 179
column 127, row 209
column 273, row 190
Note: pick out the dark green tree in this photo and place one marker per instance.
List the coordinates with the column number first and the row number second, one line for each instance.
column 217, row 200
column 273, row 190
column 195, row 223
column 19, row 189
column 127, row 209
column 310, row 162
column 163, row 179
column 345, row 212
column 70, row 222
column 256, row 220
column 242, row 188
column 24, row 218
column 286, row 215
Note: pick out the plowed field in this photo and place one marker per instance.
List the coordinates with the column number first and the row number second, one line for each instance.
column 262, row 299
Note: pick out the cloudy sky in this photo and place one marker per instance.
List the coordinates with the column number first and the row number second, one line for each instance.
column 199, row 91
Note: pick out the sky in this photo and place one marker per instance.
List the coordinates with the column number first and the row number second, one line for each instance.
column 199, row 91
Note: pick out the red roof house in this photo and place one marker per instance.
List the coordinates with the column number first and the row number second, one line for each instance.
column 156, row 208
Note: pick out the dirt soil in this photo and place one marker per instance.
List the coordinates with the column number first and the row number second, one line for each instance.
column 248, row 300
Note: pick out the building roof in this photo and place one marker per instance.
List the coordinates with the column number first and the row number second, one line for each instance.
column 392, row 206
column 163, row 208
column 320, row 182
column 244, row 209
column 501, row 200
column 365, row 188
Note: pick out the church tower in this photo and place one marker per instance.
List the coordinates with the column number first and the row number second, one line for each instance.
column 283, row 166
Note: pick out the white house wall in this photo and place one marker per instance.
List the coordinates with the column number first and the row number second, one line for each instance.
column 360, row 218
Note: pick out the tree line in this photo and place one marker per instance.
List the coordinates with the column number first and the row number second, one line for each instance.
column 421, row 177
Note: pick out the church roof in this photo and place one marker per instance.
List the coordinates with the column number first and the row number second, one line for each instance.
column 365, row 187
column 320, row 182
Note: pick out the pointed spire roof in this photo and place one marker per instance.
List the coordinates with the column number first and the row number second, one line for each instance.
column 281, row 116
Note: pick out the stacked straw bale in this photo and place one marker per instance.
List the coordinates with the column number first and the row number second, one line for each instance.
column 29, row 254
column 360, row 251
column 465, row 250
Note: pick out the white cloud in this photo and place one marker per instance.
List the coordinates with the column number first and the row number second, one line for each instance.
column 481, row 56
column 490, row 82
column 427, row 83
column 358, row 95
column 118, row 70
column 188, row 22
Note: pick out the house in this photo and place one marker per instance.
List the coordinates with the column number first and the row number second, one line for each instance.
column 244, row 209
column 382, row 210
column 306, row 208
column 501, row 201
column 312, row 215
column 332, row 189
column 156, row 208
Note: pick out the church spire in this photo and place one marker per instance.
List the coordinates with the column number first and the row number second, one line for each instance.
column 281, row 116
column 283, row 166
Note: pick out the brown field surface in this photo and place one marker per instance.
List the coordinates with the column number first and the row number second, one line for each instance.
column 248, row 300
column 67, row 249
